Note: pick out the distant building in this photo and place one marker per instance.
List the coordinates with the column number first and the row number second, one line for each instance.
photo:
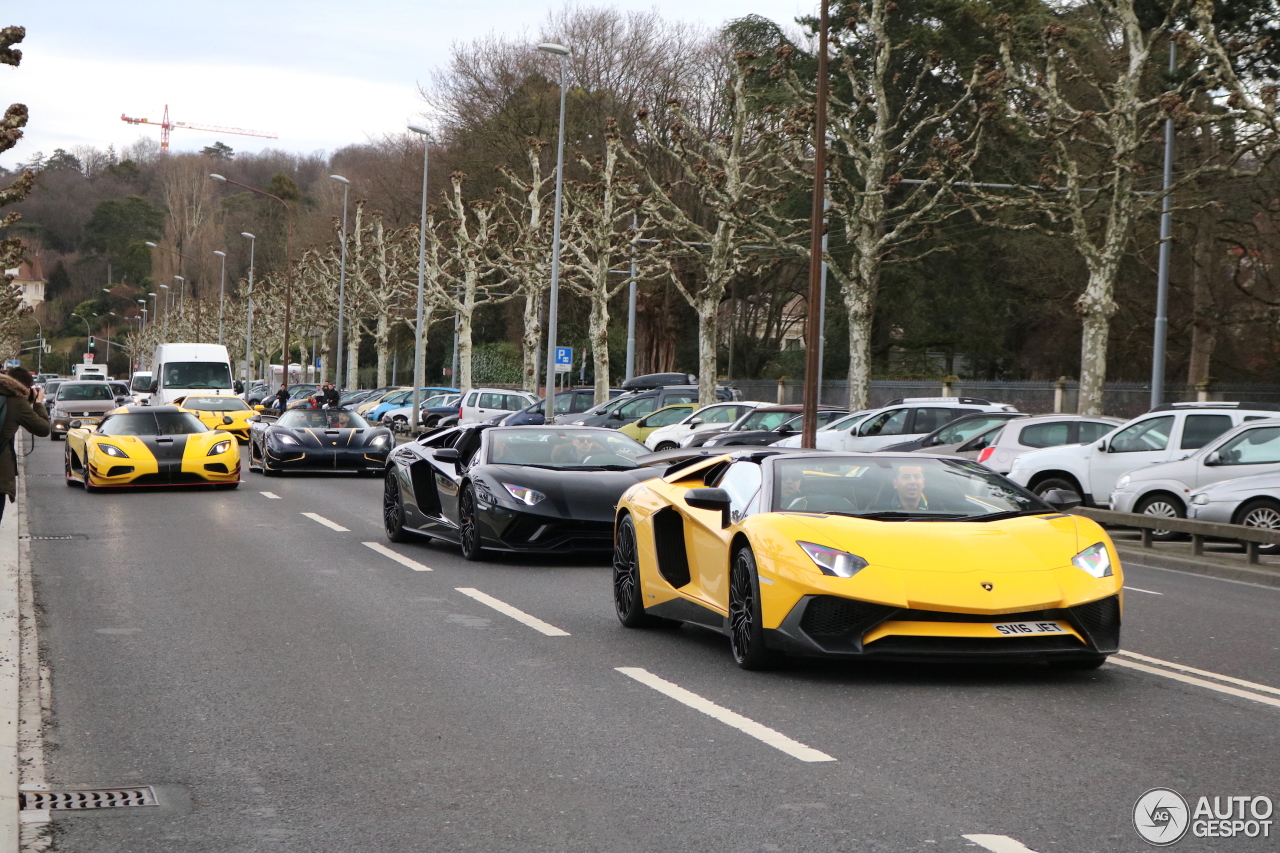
column 30, row 281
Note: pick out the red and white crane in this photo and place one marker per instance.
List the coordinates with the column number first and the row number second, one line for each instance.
column 166, row 126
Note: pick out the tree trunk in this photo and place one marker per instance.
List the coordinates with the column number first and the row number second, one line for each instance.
column 707, row 310
column 353, row 355
column 1204, row 271
column 859, row 307
column 381, row 333
column 599, row 333
column 532, row 340
column 463, row 379
column 1096, row 307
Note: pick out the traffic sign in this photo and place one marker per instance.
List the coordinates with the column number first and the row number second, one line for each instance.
column 88, row 358
column 13, row 362
column 564, row 359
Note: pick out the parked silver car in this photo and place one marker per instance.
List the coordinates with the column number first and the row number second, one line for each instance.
column 1001, row 445
column 1251, row 501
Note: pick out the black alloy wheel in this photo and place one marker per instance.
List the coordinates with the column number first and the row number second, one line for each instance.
column 1162, row 505
column 628, row 600
column 746, row 634
column 1264, row 514
column 66, row 465
column 468, row 533
column 88, row 480
column 393, row 509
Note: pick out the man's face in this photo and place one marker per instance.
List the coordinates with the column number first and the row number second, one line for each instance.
column 583, row 444
column 909, row 482
column 791, row 482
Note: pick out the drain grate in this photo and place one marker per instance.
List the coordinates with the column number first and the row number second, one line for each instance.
column 110, row 798
column 53, row 538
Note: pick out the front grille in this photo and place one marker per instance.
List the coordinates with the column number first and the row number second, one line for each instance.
column 829, row 616
column 1101, row 622
column 114, row 798
column 939, row 616
column 545, row 532
column 119, row 470
column 944, row 646
column 216, row 467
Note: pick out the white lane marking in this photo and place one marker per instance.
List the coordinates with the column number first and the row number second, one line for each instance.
column 399, row 558
column 762, row 733
column 1252, row 685
column 272, row 495
column 1198, row 682
column 332, row 525
column 999, row 843
column 519, row 615
column 1147, row 591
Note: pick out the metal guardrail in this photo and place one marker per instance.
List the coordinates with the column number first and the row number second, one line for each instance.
column 1251, row 537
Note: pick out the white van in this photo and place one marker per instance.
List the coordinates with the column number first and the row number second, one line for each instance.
column 140, row 386
column 181, row 369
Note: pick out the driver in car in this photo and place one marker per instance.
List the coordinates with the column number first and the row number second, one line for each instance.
column 343, row 421
column 576, row 451
column 908, row 490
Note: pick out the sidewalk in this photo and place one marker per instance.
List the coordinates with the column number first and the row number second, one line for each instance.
column 1219, row 560
column 10, row 674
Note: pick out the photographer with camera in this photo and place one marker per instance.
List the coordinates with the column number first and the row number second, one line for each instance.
column 20, row 406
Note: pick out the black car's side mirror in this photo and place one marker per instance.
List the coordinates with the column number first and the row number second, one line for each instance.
column 615, row 415
column 1062, row 499
column 784, row 429
column 447, row 454
column 154, row 388
column 716, row 500
column 239, row 387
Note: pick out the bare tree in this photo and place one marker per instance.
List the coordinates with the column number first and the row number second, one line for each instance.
column 527, row 252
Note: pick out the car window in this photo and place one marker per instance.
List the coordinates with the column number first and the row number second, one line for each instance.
column 97, row 391
column 825, row 418
column 968, row 428
column 1090, row 431
column 638, row 408
column 666, row 417
column 927, row 420
column 141, row 383
column 1255, row 447
column 216, row 404
column 742, row 482
column 1052, row 434
column 491, row 401
column 179, row 423
column 471, row 398
column 764, row 420
column 720, row 415
column 129, row 424
column 985, row 440
column 1199, row 430
column 582, row 402
column 892, row 422
column 677, row 397
column 1149, row 434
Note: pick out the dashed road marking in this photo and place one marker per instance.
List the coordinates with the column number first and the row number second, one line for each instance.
column 1198, row 682
column 760, row 732
column 519, row 615
column 399, row 558
column 999, row 843
column 1147, row 591
column 1252, row 685
column 272, row 495
column 332, row 525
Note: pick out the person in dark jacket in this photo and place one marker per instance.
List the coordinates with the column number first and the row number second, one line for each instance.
column 330, row 396
column 282, row 399
column 22, row 409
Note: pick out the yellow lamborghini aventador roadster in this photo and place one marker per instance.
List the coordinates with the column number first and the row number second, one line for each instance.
column 150, row 446
column 866, row 556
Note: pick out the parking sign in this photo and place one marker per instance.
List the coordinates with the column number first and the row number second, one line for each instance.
column 564, row 359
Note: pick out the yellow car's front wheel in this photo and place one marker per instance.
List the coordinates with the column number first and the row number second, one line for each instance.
column 627, row 598
column 746, row 629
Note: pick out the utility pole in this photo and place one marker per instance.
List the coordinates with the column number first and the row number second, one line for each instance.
column 631, row 303
column 1166, row 239
column 813, row 330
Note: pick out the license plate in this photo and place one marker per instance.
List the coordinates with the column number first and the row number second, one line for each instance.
column 1027, row 629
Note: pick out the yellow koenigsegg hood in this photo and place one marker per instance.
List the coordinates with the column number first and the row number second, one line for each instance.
column 1030, row 543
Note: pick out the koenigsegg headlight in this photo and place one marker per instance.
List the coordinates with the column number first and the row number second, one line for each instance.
column 1095, row 560
column 1123, row 481
column 112, row 450
column 526, row 496
column 285, row 438
column 219, row 448
column 379, row 440
column 840, row 564
column 1200, row 499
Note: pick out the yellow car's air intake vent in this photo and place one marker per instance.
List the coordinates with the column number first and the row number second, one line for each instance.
column 830, row 616
column 1101, row 621
column 668, row 540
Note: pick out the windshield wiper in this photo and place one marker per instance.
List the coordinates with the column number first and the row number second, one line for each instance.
column 896, row 515
column 1012, row 513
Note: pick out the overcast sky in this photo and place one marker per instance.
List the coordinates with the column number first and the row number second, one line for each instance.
column 319, row 73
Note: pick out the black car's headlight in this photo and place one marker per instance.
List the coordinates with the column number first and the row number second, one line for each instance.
column 1095, row 560
column 380, row 440
column 112, row 450
column 833, row 561
column 524, row 494
column 285, row 438
column 219, row 448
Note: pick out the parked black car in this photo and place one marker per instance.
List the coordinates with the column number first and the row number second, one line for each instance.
column 957, row 430
column 568, row 403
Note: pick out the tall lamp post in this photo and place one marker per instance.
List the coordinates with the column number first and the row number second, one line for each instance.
column 288, row 276
column 143, row 309
column 418, row 367
column 248, row 323
column 222, row 291
column 342, row 284
column 182, row 295
column 813, row 325
column 183, row 304
column 554, row 307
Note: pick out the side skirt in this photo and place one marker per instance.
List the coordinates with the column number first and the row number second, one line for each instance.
column 684, row 610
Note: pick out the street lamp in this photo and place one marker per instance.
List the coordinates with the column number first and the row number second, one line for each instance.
column 554, row 307
column 182, row 307
column 342, row 284
column 182, row 288
column 418, row 378
column 222, row 289
column 88, row 333
column 165, row 288
column 143, row 303
column 288, row 277
column 248, row 323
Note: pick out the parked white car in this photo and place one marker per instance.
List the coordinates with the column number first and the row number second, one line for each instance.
column 1168, row 432
column 1164, row 490
column 481, row 404
column 715, row 416
column 901, row 420
column 1000, row 446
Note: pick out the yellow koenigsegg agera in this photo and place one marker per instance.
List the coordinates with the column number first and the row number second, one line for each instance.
column 151, row 446
column 866, row 556
column 229, row 414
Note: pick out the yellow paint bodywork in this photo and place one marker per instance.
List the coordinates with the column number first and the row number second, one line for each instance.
column 936, row 566
column 86, row 444
column 239, row 426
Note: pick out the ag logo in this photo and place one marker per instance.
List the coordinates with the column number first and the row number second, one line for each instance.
column 1161, row 817
column 988, row 586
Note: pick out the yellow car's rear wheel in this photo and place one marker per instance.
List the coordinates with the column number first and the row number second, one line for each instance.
column 746, row 631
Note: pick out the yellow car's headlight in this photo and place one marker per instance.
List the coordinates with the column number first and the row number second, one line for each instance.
column 112, row 450
column 219, row 448
column 832, row 561
column 1095, row 560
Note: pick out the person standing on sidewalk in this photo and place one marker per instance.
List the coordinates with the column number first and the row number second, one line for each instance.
column 22, row 408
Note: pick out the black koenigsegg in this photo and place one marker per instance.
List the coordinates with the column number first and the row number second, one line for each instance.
column 525, row 488
column 318, row 440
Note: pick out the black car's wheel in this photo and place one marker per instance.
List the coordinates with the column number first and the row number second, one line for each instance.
column 393, row 509
column 1091, row 662
column 468, row 532
column 88, row 481
column 628, row 600
column 53, row 436
column 1162, row 505
column 665, row 445
column 1261, row 513
column 746, row 633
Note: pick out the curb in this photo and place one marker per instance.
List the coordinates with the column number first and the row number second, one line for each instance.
column 1226, row 571
column 10, row 677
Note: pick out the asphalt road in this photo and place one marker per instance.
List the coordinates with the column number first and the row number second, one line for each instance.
column 290, row 688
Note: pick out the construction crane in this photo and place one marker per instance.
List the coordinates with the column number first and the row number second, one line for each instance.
column 166, row 126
